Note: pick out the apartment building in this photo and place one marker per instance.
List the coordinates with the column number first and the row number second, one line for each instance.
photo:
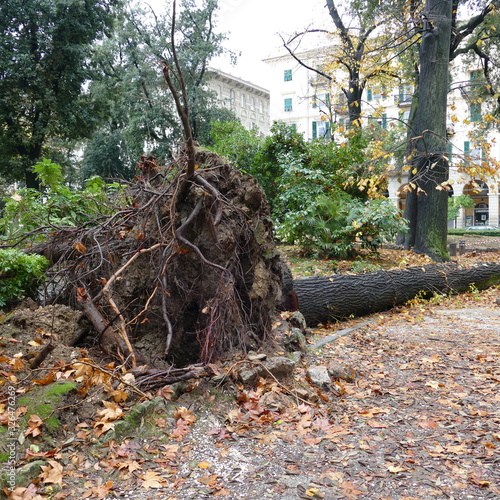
column 313, row 105
column 248, row 101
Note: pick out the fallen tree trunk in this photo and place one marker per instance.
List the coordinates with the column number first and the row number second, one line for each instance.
column 323, row 299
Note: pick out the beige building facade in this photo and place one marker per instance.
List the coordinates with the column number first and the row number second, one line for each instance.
column 248, row 101
column 315, row 107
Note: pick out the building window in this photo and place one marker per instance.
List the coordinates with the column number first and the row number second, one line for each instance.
column 320, row 129
column 293, row 127
column 369, row 94
column 252, row 103
column 261, row 106
column 475, row 111
column 476, row 74
column 475, row 154
column 231, row 96
column 405, row 94
column 288, row 75
column 243, row 100
column 288, row 104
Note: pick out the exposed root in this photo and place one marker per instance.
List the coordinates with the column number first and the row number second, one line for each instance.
column 181, row 274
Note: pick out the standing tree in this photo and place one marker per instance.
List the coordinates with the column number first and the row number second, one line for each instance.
column 444, row 38
column 365, row 51
column 427, row 206
column 140, row 112
column 43, row 67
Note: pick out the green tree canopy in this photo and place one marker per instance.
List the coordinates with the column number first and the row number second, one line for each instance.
column 44, row 53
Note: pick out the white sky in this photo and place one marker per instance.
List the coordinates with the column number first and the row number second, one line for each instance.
column 252, row 27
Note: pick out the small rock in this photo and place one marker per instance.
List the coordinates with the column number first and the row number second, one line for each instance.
column 297, row 320
column 318, row 376
column 296, row 356
column 23, row 475
column 249, row 376
column 340, row 370
column 275, row 401
column 280, row 366
column 306, row 393
column 254, row 356
column 294, row 340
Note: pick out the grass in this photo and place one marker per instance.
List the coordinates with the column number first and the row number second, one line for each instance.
column 302, row 264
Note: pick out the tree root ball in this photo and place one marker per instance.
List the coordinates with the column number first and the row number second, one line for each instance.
column 188, row 272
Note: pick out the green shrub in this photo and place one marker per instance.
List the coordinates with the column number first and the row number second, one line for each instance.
column 269, row 166
column 235, row 142
column 56, row 205
column 335, row 225
column 461, row 232
column 20, row 274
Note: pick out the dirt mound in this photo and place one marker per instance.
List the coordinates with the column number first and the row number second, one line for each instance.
column 185, row 271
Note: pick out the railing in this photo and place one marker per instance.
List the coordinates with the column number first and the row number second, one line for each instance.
column 403, row 98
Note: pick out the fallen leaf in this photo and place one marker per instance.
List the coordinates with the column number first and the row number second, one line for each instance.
column 52, row 473
column 457, row 449
column 315, row 493
column 111, row 412
column 209, row 480
column 433, row 359
column 151, row 479
column 34, row 424
column 203, row 465
column 350, row 489
column 375, row 424
column 394, row 469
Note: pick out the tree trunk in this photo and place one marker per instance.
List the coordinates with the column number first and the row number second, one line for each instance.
column 323, row 299
column 428, row 201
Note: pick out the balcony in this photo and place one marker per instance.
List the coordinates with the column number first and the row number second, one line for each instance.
column 403, row 99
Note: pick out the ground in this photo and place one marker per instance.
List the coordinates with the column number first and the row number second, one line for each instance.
column 415, row 415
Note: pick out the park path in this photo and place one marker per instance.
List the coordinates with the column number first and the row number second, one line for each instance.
column 420, row 420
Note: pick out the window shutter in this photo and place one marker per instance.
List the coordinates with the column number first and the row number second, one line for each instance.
column 449, row 151
column 467, row 147
column 315, row 130
column 370, row 94
column 475, row 111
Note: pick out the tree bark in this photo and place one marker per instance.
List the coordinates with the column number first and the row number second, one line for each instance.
column 428, row 201
column 323, row 299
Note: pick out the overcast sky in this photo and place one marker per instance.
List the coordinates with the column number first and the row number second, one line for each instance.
column 252, row 27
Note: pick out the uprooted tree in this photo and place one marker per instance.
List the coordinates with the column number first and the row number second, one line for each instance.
column 323, row 299
column 186, row 270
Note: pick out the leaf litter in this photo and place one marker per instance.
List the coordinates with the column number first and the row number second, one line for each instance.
column 418, row 420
